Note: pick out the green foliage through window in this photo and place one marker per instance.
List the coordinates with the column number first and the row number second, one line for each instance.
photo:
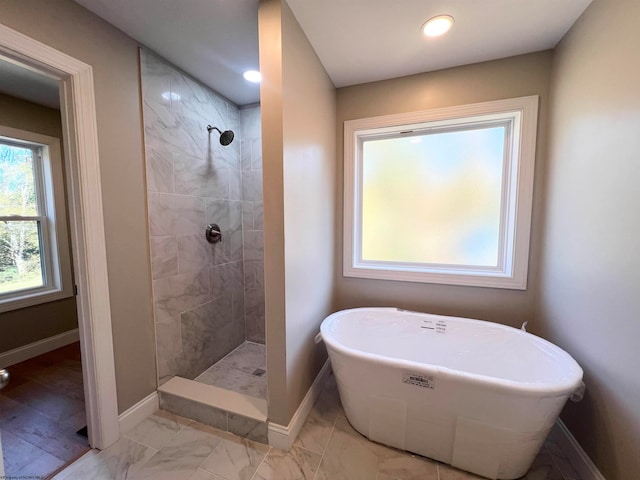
column 20, row 239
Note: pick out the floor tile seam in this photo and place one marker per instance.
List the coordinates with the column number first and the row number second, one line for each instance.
column 58, row 393
column 156, row 450
column 58, row 364
column 226, row 431
column 65, row 460
column 308, row 449
column 67, row 471
column 248, row 344
column 252, row 380
column 31, row 376
column 261, row 462
column 16, row 434
column 223, row 358
column 317, row 453
column 126, row 435
column 201, row 464
column 202, row 467
column 242, row 354
column 45, row 414
column 324, row 451
column 230, row 367
column 26, row 441
column 66, row 463
column 67, row 373
column 87, row 447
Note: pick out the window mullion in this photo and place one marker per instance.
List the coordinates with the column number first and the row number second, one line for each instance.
column 22, row 218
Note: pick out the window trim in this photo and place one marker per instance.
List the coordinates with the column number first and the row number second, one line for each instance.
column 512, row 274
column 56, row 258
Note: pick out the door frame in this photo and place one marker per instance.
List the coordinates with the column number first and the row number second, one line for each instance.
column 86, row 221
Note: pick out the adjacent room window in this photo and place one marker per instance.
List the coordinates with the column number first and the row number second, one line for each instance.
column 34, row 252
column 441, row 196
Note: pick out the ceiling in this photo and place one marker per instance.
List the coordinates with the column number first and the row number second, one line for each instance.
column 357, row 40
column 213, row 40
column 21, row 82
column 361, row 41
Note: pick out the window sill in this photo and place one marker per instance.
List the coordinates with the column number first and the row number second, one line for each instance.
column 33, row 298
column 467, row 278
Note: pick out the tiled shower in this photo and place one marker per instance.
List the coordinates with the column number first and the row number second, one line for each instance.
column 208, row 299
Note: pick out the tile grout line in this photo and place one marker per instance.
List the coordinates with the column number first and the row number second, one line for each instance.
column 324, row 450
column 200, row 467
column 261, row 462
column 182, row 427
column 134, row 441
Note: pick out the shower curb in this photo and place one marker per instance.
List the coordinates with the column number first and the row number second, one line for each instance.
column 229, row 411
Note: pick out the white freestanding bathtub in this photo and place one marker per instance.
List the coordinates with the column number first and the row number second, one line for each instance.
column 477, row 395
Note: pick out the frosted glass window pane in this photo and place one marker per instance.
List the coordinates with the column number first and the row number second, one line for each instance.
column 433, row 198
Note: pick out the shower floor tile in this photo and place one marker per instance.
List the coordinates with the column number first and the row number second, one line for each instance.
column 242, row 371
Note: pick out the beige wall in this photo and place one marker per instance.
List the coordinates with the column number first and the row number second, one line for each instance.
column 270, row 39
column 28, row 325
column 68, row 27
column 299, row 163
column 590, row 267
column 508, row 78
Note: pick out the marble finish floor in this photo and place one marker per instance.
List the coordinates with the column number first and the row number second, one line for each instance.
column 40, row 411
column 242, row 371
column 168, row 447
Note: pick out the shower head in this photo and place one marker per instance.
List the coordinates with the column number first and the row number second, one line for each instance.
column 226, row 137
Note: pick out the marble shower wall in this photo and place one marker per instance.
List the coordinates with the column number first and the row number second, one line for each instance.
column 198, row 288
column 252, row 246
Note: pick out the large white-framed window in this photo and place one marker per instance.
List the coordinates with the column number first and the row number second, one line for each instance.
column 441, row 196
column 35, row 265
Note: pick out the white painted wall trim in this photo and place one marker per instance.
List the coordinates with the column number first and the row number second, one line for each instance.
column 82, row 165
column 40, row 347
column 281, row 436
column 577, row 457
column 141, row 410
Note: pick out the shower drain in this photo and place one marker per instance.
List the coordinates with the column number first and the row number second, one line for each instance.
column 259, row 372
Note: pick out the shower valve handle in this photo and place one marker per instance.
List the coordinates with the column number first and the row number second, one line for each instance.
column 213, row 233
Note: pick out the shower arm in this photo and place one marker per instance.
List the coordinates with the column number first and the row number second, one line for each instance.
column 209, row 128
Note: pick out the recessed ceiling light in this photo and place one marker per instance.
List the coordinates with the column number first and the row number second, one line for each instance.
column 252, row 76
column 437, row 26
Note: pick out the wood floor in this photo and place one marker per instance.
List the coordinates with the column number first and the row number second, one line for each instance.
column 41, row 410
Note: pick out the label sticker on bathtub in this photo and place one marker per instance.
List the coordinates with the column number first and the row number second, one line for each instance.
column 438, row 326
column 419, row 380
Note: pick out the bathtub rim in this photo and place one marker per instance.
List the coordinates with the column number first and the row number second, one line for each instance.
column 501, row 384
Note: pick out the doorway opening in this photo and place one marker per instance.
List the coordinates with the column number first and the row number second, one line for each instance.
column 86, row 224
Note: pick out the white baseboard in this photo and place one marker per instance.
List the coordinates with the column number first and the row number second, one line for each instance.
column 577, row 457
column 141, row 410
column 281, row 436
column 40, row 347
